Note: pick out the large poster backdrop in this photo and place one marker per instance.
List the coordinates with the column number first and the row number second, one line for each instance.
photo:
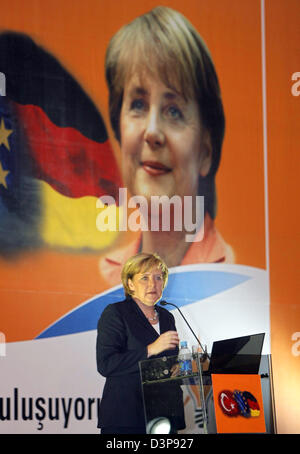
column 58, row 155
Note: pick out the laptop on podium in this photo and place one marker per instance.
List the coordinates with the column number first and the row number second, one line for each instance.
column 239, row 355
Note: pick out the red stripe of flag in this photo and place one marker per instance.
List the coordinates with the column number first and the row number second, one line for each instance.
column 71, row 163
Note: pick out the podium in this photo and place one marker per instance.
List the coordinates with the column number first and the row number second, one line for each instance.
column 192, row 404
column 165, row 393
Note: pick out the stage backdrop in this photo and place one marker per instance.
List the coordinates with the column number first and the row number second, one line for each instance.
column 58, row 155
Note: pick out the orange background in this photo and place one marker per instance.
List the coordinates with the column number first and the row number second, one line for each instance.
column 42, row 286
column 238, row 424
column 78, row 36
column 283, row 59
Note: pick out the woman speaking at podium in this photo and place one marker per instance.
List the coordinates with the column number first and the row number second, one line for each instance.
column 166, row 112
column 130, row 331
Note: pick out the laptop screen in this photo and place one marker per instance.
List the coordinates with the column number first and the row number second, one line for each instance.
column 240, row 355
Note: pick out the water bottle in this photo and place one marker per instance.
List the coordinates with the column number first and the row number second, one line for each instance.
column 185, row 359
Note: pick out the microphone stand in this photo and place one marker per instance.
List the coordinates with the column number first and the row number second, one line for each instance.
column 205, row 354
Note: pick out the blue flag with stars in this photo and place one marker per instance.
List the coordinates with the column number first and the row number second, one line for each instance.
column 19, row 196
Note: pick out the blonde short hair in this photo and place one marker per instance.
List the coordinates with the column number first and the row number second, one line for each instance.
column 142, row 262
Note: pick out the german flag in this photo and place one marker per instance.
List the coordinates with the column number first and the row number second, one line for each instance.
column 55, row 156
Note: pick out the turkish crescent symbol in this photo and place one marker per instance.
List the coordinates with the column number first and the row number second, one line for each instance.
column 223, row 395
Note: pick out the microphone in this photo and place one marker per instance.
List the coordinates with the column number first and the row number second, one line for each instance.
column 205, row 354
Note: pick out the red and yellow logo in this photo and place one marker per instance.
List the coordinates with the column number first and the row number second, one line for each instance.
column 238, row 403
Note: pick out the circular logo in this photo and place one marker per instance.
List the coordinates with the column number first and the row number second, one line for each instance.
column 252, row 403
column 228, row 404
column 242, row 403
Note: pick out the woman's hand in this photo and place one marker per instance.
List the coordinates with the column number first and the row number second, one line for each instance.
column 166, row 341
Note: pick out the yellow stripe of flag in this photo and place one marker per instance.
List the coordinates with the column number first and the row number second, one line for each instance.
column 71, row 223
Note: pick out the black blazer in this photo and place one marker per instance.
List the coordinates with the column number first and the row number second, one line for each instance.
column 123, row 335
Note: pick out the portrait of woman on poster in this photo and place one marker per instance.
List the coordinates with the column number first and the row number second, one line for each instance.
column 130, row 331
column 166, row 112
